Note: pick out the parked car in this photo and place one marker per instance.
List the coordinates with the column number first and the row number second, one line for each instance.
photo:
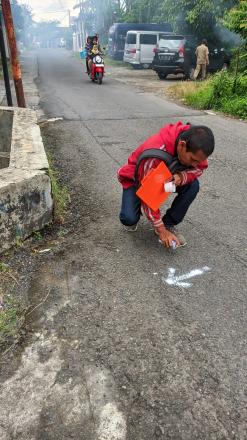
column 139, row 48
column 118, row 31
column 176, row 54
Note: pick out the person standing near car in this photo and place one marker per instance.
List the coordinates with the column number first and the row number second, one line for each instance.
column 202, row 59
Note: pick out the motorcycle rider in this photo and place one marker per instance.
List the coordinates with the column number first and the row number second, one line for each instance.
column 94, row 49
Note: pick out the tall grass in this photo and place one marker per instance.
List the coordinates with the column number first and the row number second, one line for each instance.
column 222, row 91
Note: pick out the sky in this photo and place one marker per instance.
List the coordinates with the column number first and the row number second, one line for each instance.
column 52, row 9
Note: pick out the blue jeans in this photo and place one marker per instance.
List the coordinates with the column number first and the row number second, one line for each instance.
column 131, row 205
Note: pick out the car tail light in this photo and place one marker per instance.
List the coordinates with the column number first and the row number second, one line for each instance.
column 132, row 50
column 181, row 52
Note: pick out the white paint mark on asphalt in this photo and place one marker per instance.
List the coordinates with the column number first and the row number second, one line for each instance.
column 112, row 425
column 47, row 121
column 179, row 281
column 54, row 119
column 44, row 251
column 208, row 112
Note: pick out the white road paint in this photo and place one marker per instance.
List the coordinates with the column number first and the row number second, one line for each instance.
column 208, row 112
column 54, row 119
column 47, row 121
column 179, row 281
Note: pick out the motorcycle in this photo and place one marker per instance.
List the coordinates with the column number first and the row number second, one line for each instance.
column 97, row 68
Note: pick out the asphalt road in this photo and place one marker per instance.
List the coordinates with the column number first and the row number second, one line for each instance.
column 116, row 352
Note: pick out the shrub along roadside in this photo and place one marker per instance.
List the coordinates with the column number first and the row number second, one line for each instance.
column 223, row 92
column 12, row 310
column 60, row 194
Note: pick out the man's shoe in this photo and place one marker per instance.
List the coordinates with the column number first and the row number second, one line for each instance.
column 181, row 238
column 132, row 228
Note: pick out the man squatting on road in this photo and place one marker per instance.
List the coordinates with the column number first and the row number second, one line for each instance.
column 191, row 145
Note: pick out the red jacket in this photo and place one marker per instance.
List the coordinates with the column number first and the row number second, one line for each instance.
column 164, row 140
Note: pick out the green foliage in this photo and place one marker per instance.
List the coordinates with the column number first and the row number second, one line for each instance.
column 11, row 319
column 236, row 106
column 197, row 16
column 22, row 17
column 200, row 17
column 4, row 268
column 239, row 61
column 37, row 236
column 200, row 98
column 18, row 242
column 115, row 63
column 60, row 196
column 141, row 11
column 221, row 92
column 11, row 310
column 236, row 20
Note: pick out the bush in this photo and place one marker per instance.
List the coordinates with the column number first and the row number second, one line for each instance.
column 201, row 97
column 222, row 91
column 235, row 106
column 222, row 86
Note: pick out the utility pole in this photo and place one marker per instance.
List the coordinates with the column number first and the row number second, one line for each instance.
column 16, row 68
column 5, row 65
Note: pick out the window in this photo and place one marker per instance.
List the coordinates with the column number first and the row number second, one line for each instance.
column 148, row 39
column 131, row 39
column 171, row 42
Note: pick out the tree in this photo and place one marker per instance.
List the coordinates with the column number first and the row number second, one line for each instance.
column 141, row 11
column 22, row 17
column 236, row 20
column 198, row 17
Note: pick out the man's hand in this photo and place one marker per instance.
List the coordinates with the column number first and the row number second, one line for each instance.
column 177, row 179
column 166, row 237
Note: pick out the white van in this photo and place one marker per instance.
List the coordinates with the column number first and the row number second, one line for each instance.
column 140, row 47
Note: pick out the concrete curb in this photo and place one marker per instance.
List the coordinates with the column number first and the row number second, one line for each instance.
column 25, row 188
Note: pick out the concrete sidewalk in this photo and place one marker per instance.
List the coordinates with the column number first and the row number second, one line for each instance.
column 25, row 187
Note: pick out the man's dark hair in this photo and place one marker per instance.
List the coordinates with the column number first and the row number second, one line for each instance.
column 199, row 137
column 204, row 41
